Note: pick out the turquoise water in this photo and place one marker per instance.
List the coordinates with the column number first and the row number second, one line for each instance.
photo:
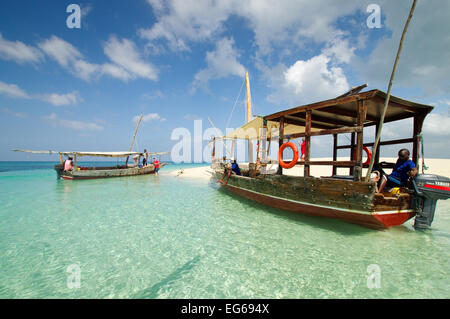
column 166, row 237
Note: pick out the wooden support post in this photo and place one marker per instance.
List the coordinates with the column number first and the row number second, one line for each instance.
column 307, row 142
column 280, row 142
column 335, row 140
column 263, row 142
column 362, row 109
column 352, row 151
column 60, row 159
column 75, row 166
column 417, row 129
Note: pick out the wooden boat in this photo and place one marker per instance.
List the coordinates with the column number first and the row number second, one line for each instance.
column 108, row 171
column 79, row 172
column 350, row 198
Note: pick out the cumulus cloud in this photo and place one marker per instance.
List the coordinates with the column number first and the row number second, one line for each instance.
column 71, row 124
column 180, row 22
column 19, row 52
column 149, row 117
column 126, row 56
column 126, row 61
column 61, row 51
column 62, row 99
column 424, row 62
column 222, row 62
column 306, row 81
column 12, row 90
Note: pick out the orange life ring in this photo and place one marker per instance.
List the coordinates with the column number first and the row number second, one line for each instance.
column 280, row 155
column 368, row 153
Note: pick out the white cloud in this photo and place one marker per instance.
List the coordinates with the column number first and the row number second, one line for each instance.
column 62, row 99
column 61, row 51
column 222, row 62
column 125, row 55
column 149, row 117
column 180, row 22
column 127, row 62
column 307, row 81
column 13, row 113
column 19, row 52
column 85, row 70
column 116, row 72
column 75, row 125
column 192, row 117
column 56, row 99
column 340, row 49
column 437, row 125
column 13, row 90
column 424, row 62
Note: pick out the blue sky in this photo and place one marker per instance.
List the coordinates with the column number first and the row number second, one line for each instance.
column 177, row 61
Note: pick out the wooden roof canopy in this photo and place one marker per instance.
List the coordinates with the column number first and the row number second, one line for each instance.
column 343, row 111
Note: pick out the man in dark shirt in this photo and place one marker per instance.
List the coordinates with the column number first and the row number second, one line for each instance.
column 403, row 170
column 235, row 168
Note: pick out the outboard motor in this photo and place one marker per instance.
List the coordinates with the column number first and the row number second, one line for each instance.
column 59, row 168
column 427, row 189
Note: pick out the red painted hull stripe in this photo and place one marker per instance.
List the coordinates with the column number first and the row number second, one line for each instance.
column 442, row 188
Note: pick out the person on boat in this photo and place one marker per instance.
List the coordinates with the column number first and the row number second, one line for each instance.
column 403, row 170
column 135, row 160
column 156, row 163
column 302, row 149
column 234, row 169
column 68, row 164
column 144, row 160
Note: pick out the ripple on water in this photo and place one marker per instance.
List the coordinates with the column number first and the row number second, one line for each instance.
column 163, row 237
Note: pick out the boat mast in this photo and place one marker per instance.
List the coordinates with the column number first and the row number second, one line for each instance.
column 249, row 118
column 134, row 136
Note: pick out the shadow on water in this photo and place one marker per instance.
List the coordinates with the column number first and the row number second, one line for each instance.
column 330, row 224
column 152, row 292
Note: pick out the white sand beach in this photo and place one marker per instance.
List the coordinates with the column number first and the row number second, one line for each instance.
column 436, row 166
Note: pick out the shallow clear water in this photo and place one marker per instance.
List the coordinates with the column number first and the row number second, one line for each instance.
column 166, row 237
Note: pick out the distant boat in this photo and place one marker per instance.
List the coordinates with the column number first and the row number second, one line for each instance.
column 79, row 172
column 350, row 197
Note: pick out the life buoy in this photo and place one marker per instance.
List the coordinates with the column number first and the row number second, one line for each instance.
column 280, row 155
column 368, row 153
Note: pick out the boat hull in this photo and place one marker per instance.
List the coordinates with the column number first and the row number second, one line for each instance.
column 368, row 210
column 106, row 172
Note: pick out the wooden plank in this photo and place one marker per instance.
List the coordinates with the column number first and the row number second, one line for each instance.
column 280, row 142
column 352, row 151
column 390, row 142
column 334, row 171
column 323, row 104
column 300, row 121
column 307, row 142
column 348, row 113
column 322, row 119
column 329, row 132
column 362, row 111
column 324, row 163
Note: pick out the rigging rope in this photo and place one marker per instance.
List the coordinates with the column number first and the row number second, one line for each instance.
column 234, row 106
